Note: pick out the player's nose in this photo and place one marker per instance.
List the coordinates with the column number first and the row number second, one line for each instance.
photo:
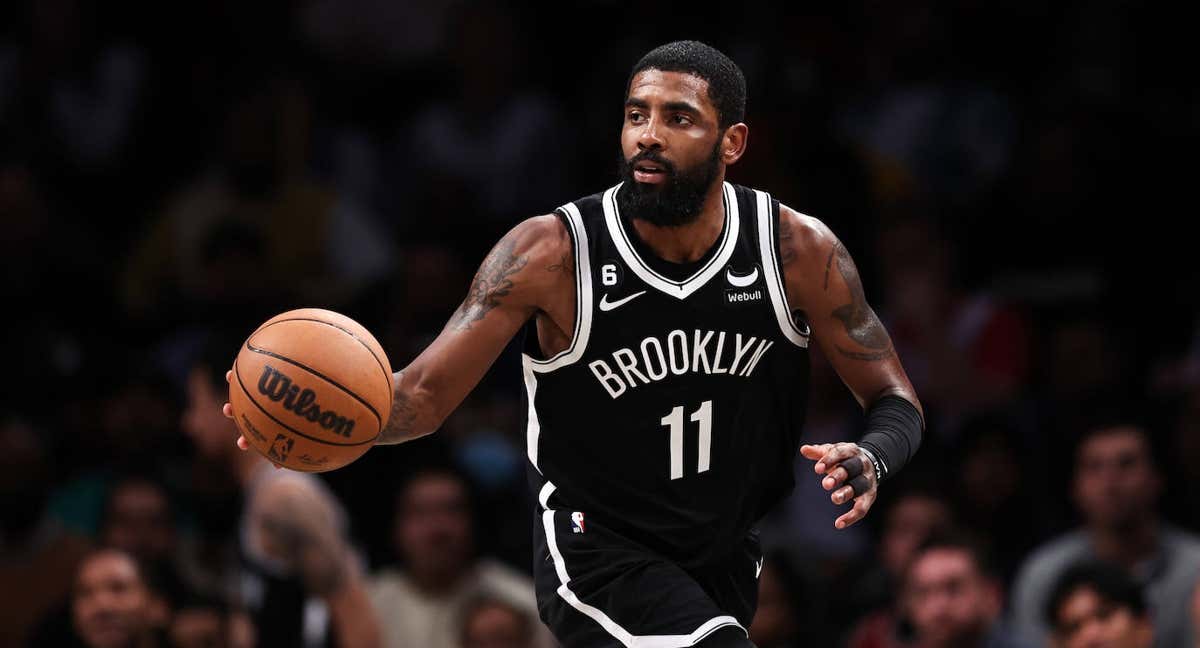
column 649, row 137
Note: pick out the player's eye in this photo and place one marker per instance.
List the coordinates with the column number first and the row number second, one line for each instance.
column 682, row 120
column 636, row 117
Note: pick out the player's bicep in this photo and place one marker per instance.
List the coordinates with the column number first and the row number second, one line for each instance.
column 847, row 325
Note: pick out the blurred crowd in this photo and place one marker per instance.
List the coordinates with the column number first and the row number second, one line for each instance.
column 1007, row 176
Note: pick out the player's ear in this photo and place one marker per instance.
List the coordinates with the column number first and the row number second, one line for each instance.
column 733, row 143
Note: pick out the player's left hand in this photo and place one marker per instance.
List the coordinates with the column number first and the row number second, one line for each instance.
column 849, row 474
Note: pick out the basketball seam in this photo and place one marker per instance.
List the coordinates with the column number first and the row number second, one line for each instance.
column 378, row 420
column 238, row 374
column 346, row 331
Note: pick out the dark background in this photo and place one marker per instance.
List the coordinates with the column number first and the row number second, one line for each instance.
column 1013, row 180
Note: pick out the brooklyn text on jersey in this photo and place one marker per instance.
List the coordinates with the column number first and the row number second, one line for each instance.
column 679, row 353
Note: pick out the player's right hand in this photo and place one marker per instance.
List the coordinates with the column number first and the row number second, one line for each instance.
column 227, row 410
column 849, row 474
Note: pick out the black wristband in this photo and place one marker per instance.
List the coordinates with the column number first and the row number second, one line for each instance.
column 893, row 434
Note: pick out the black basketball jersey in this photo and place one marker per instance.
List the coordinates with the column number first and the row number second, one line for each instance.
column 674, row 417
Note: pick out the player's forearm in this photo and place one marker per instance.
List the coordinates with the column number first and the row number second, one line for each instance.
column 413, row 411
column 895, row 426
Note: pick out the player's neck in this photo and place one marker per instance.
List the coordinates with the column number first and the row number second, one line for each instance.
column 689, row 242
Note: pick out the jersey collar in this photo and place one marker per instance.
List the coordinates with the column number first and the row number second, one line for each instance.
column 677, row 289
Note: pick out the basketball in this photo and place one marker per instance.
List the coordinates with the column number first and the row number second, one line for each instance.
column 311, row 389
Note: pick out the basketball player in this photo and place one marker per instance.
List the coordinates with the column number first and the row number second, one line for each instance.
column 668, row 320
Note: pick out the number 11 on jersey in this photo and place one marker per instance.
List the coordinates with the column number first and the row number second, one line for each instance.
column 674, row 421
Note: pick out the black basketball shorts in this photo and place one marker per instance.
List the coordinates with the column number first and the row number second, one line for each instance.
column 598, row 589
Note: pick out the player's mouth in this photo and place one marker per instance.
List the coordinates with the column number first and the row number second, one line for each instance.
column 649, row 172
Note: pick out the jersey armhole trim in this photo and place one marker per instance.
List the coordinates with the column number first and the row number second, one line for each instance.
column 768, row 244
column 583, row 295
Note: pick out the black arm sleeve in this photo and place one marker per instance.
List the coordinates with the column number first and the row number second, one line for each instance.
column 894, row 429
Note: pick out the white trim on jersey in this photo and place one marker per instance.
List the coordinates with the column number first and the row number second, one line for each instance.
column 767, row 239
column 677, row 289
column 544, row 494
column 622, row 635
column 533, row 427
column 583, row 297
column 530, row 366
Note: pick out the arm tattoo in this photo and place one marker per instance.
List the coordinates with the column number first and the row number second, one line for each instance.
column 316, row 558
column 787, row 252
column 860, row 321
column 564, row 266
column 402, row 420
column 492, row 282
column 829, row 262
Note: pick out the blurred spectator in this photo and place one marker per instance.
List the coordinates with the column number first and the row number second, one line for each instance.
column 965, row 352
column 993, row 488
column 1097, row 604
column 493, row 623
column 1116, row 488
column 953, row 599
column 209, row 623
column 139, row 519
column 253, row 230
column 132, row 427
column 487, row 154
column 420, row 604
column 37, row 555
column 112, row 607
column 298, row 577
column 74, row 92
column 908, row 523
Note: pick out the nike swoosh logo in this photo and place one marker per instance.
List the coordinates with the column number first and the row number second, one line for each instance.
column 758, row 568
column 741, row 281
column 606, row 305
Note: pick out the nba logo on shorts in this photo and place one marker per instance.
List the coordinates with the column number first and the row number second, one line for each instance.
column 577, row 522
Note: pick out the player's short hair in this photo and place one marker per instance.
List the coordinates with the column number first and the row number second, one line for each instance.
column 726, row 83
column 1108, row 581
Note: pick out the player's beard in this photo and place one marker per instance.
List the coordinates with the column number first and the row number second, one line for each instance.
column 675, row 202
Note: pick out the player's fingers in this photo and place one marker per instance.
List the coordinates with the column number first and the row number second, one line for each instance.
column 227, row 410
column 854, row 466
column 836, row 454
column 242, row 443
column 858, row 512
column 228, row 374
column 814, row 452
column 835, row 477
column 842, row 495
column 861, row 484
column 845, row 472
